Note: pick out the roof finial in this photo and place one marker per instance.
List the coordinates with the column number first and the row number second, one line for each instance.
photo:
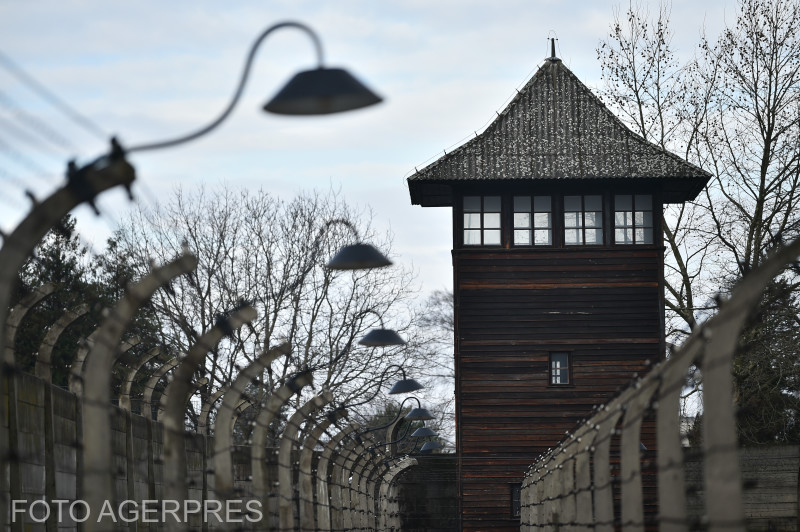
column 553, row 58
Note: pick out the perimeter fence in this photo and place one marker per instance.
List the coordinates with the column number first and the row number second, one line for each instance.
column 601, row 476
column 89, row 459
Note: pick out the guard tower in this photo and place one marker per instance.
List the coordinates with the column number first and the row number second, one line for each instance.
column 558, row 262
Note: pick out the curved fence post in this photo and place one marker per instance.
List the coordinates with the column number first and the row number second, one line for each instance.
column 584, row 438
column 632, row 511
column 18, row 313
column 325, row 486
column 341, row 518
column 205, row 410
column 8, row 369
column 130, row 375
column 603, row 495
column 305, row 475
column 76, row 367
column 258, row 450
column 355, row 497
column 195, row 385
column 289, row 440
column 97, row 453
column 223, row 437
column 152, row 382
column 361, row 471
column 82, row 186
column 375, row 472
column 386, row 521
column 175, row 398
column 43, row 368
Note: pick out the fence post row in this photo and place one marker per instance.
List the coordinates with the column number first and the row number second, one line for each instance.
column 82, row 186
column 557, row 490
column 355, row 470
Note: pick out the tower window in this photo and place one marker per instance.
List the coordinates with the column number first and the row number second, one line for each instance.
column 583, row 220
column 633, row 219
column 481, row 220
column 559, row 368
column 533, row 221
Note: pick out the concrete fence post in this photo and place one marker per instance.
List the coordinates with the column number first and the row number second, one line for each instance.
column 176, row 397
column 11, row 438
column 223, row 427
column 97, row 456
column 43, row 367
column 325, row 481
column 305, row 474
column 130, row 375
column 152, row 382
column 82, row 185
column 289, row 440
column 261, row 486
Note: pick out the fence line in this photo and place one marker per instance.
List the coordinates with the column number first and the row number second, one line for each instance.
column 86, row 449
column 573, row 485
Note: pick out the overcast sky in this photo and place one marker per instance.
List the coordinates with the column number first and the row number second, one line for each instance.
column 150, row 70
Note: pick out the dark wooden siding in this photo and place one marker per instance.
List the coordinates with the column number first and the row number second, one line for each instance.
column 513, row 308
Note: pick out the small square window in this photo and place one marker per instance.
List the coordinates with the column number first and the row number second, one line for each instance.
column 633, row 219
column 559, row 368
column 532, row 221
column 482, row 220
column 583, row 220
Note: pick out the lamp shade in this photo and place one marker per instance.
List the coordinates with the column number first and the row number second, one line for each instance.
column 358, row 257
column 429, row 446
column 405, row 386
column 321, row 91
column 419, row 414
column 423, row 432
column 381, row 337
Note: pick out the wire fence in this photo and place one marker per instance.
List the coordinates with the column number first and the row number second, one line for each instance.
column 602, row 476
column 91, row 459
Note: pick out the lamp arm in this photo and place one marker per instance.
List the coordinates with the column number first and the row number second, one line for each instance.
column 378, row 390
column 401, row 438
column 399, row 413
column 238, row 93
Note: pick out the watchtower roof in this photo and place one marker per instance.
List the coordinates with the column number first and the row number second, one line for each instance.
column 555, row 129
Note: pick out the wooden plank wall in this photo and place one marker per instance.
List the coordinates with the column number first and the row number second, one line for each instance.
column 514, row 307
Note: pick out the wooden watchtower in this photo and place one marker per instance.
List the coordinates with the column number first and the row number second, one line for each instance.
column 558, row 261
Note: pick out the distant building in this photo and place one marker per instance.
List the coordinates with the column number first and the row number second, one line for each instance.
column 558, row 264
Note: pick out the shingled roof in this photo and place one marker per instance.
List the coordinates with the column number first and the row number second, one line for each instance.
column 556, row 129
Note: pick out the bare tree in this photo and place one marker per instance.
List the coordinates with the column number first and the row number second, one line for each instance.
column 252, row 246
column 734, row 110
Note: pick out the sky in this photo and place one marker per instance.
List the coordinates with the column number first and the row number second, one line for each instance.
column 151, row 70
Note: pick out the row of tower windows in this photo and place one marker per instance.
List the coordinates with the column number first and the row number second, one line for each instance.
column 533, row 220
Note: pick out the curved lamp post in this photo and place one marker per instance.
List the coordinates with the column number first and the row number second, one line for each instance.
column 380, row 337
column 404, row 385
column 312, row 92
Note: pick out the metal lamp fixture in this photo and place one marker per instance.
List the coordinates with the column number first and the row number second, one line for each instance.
column 430, row 446
column 405, row 385
column 358, row 256
column 321, row 91
column 312, row 92
column 423, row 432
column 419, row 414
column 383, row 337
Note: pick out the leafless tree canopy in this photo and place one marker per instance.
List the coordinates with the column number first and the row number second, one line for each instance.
column 252, row 246
column 734, row 110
